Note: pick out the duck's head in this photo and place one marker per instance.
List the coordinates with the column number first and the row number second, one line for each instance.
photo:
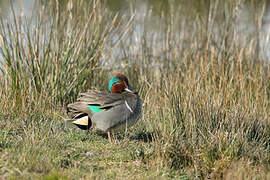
column 119, row 83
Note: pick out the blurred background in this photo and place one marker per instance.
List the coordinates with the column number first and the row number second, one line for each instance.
column 249, row 20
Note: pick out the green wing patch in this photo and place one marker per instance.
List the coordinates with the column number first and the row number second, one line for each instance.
column 95, row 109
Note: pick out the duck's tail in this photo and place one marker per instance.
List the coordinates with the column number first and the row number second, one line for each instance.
column 83, row 122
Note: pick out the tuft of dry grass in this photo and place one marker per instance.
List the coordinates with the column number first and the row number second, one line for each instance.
column 206, row 103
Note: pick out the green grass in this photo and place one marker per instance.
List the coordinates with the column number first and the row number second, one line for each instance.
column 206, row 105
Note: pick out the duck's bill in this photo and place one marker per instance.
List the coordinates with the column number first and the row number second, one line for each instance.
column 131, row 91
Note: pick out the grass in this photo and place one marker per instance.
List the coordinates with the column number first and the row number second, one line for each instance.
column 205, row 104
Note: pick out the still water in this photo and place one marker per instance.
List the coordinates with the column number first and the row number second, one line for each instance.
column 181, row 13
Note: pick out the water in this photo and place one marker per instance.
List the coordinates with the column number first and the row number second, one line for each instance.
column 152, row 16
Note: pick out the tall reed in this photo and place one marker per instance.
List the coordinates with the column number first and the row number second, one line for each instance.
column 56, row 53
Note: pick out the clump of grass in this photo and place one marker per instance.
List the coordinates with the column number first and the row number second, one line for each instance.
column 57, row 54
column 208, row 104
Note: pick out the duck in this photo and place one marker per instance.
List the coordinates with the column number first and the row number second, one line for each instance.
column 107, row 113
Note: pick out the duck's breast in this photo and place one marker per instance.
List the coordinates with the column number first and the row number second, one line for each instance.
column 119, row 117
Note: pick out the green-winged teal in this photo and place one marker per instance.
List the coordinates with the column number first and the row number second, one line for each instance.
column 107, row 112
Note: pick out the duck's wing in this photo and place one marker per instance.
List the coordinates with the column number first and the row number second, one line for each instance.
column 93, row 101
column 78, row 109
column 101, row 99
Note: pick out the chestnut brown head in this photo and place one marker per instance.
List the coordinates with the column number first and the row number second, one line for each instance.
column 119, row 83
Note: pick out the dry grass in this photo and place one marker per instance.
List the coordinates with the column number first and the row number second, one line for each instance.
column 206, row 105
